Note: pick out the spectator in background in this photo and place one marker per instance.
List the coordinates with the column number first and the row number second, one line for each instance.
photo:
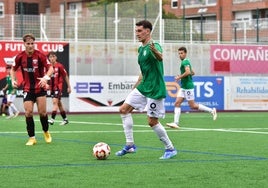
column 4, row 105
column 11, row 95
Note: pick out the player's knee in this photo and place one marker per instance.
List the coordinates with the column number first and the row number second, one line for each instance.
column 177, row 105
column 125, row 109
column 122, row 110
column 194, row 106
column 152, row 121
column 42, row 114
column 28, row 113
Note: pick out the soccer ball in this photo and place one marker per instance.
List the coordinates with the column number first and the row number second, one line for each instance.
column 101, row 151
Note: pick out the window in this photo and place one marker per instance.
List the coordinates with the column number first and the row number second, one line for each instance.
column 2, row 10
column 174, row 4
column 48, row 10
column 243, row 15
column 75, row 7
column 26, row 8
column 197, row 3
column 266, row 14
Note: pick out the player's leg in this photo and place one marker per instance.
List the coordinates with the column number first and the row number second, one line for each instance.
column 9, row 102
column 13, row 107
column 55, row 107
column 41, row 102
column 204, row 108
column 193, row 105
column 3, row 109
column 177, row 109
column 155, row 111
column 28, row 103
column 62, row 113
column 133, row 101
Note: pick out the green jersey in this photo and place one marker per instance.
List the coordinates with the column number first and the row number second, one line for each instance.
column 152, row 84
column 10, row 88
column 187, row 82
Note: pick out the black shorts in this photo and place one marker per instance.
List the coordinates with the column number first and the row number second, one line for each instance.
column 56, row 94
column 30, row 96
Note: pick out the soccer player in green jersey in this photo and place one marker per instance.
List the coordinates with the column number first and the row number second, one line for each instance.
column 11, row 95
column 187, row 90
column 148, row 93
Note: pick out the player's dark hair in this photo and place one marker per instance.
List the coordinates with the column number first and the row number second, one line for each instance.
column 52, row 53
column 146, row 24
column 31, row 36
column 182, row 49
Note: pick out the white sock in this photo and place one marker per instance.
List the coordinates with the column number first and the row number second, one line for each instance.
column 177, row 114
column 128, row 128
column 14, row 109
column 10, row 111
column 162, row 135
column 201, row 107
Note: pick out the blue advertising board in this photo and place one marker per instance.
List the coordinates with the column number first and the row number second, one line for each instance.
column 209, row 91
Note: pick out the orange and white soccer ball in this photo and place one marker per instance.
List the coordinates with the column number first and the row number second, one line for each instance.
column 101, row 151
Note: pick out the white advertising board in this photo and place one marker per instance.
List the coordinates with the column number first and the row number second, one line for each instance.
column 99, row 93
column 246, row 93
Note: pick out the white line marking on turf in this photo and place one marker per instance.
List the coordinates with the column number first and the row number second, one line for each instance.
column 237, row 130
column 232, row 130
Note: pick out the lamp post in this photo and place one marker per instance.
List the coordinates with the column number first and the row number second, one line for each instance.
column 21, row 17
column 145, row 9
column 64, row 19
column 257, row 24
column 201, row 11
column 105, row 21
column 184, row 29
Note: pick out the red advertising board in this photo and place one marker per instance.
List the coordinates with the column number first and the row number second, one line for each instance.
column 250, row 59
column 9, row 50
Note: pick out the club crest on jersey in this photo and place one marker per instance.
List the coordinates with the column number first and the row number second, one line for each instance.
column 35, row 61
column 144, row 53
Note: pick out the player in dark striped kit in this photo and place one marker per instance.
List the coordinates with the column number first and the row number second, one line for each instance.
column 56, row 84
column 36, row 71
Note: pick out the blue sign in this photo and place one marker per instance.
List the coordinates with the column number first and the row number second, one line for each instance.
column 209, row 91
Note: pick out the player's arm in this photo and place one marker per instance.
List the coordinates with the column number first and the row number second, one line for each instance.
column 50, row 71
column 67, row 80
column 138, row 81
column 43, row 81
column 158, row 55
column 192, row 71
column 185, row 74
column 13, row 77
column 5, row 88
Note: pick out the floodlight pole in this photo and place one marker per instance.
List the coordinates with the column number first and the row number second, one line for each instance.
column 201, row 11
column 21, row 17
column 64, row 19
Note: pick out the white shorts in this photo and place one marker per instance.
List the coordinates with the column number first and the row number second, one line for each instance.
column 11, row 97
column 154, row 107
column 187, row 94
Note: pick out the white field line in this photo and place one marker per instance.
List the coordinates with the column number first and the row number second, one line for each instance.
column 232, row 130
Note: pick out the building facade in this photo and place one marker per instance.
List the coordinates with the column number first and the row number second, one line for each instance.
column 36, row 7
column 225, row 10
column 246, row 15
column 197, row 20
